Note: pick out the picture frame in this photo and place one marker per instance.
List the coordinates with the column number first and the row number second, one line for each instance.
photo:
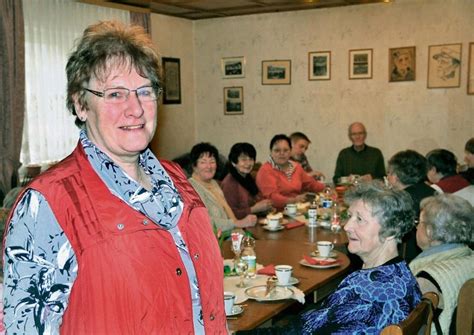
column 172, row 80
column 276, row 72
column 470, row 70
column 319, row 65
column 444, row 65
column 234, row 100
column 360, row 63
column 233, row 67
column 402, row 64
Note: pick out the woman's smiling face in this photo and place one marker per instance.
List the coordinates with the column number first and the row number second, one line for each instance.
column 362, row 230
column 121, row 130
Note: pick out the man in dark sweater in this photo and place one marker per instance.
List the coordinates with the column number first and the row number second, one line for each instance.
column 359, row 159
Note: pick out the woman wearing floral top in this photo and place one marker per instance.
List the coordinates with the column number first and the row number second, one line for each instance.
column 111, row 240
column 384, row 291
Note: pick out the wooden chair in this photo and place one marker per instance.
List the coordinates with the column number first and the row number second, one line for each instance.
column 418, row 321
column 465, row 313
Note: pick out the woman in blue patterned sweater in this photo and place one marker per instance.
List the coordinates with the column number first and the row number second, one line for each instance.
column 384, row 291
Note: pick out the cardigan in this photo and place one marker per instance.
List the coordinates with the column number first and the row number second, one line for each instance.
column 450, row 269
column 219, row 217
column 238, row 198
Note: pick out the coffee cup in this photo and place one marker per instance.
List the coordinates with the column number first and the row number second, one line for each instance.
column 290, row 209
column 324, row 248
column 273, row 223
column 283, row 273
column 229, row 299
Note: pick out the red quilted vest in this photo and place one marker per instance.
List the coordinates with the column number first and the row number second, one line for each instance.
column 131, row 279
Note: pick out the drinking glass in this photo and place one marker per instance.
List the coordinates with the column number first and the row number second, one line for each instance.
column 241, row 268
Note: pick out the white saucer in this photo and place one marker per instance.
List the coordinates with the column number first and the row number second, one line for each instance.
column 236, row 310
column 273, row 229
column 291, row 282
column 332, row 254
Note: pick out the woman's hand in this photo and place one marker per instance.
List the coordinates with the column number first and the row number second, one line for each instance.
column 248, row 221
column 261, row 206
column 298, row 198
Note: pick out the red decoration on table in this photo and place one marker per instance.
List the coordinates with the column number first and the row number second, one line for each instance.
column 268, row 270
column 294, row 224
column 313, row 261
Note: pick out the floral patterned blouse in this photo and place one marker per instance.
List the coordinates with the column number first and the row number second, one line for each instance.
column 40, row 266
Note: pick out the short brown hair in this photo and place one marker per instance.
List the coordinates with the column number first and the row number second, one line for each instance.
column 105, row 41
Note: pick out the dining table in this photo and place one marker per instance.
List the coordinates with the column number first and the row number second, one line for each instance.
column 288, row 246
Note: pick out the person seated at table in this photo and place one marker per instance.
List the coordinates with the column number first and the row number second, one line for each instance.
column 299, row 144
column 442, row 165
column 445, row 228
column 281, row 180
column 384, row 291
column 468, row 173
column 204, row 161
column 407, row 171
column 359, row 159
column 239, row 187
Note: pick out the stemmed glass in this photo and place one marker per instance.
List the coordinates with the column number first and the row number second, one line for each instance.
column 241, row 268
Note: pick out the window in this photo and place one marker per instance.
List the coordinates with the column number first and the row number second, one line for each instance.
column 51, row 28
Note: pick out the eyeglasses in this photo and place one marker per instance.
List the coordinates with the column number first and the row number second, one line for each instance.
column 358, row 134
column 119, row 95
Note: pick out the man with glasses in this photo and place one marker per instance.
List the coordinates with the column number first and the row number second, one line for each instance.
column 359, row 159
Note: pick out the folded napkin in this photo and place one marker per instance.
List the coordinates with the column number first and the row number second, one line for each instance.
column 294, row 224
column 298, row 295
column 268, row 270
column 313, row 261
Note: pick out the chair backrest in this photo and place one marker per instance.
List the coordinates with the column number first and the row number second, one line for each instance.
column 465, row 312
column 419, row 320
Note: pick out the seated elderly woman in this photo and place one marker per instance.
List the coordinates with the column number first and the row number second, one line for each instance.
column 384, row 291
column 442, row 167
column 204, row 161
column 446, row 226
column 239, row 187
column 407, row 171
column 469, row 160
column 282, row 180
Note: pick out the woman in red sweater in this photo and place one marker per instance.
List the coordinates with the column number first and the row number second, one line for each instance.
column 284, row 181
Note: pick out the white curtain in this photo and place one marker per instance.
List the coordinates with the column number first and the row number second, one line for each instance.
column 51, row 29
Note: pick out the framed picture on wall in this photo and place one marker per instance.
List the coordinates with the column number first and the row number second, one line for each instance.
column 470, row 70
column 360, row 64
column 234, row 100
column 402, row 64
column 233, row 67
column 276, row 72
column 172, row 80
column 319, row 65
column 444, row 65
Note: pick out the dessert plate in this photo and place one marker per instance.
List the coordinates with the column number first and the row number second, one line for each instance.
column 259, row 293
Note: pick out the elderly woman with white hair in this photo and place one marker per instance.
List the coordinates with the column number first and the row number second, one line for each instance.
column 443, row 233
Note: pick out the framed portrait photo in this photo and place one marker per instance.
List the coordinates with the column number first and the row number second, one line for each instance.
column 470, row 71
column 172, row 81
column 360, row 64
column 276, row 72
column 319, row 65
column 444, row 65
column 234, row 100
column 402, row 64
column 233, row 67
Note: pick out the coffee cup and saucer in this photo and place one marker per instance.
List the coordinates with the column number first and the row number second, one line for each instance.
column 273, row 222
column 283, row 274
column 230, row 308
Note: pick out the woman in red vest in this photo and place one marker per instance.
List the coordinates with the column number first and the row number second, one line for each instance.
column 112, row 240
